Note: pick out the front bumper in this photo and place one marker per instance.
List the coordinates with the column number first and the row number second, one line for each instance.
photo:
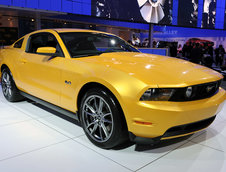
column 157, row 120
column 174, row 132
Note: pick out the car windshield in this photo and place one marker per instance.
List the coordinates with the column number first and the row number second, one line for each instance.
column 82, row 44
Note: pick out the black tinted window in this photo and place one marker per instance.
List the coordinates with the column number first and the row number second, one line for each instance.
column 43, row 40
column 18, row 44
column 81, row 44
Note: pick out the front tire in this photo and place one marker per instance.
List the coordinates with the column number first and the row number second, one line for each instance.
column 102, row 119
column 9, row 89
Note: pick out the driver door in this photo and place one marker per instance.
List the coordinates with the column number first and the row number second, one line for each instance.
column 41, row 74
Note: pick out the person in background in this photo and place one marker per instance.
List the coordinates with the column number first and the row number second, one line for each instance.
column 173, row 49
column 210, row 49
column 219, row 55
column 135, row 41
column 184, row 50
column 145, row 43
column 208, row 55
column 179, row 48
column 212, row 14
column 196, row 54
column 189, row 49
column 154, row 44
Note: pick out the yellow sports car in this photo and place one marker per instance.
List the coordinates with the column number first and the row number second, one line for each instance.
column 115, row 91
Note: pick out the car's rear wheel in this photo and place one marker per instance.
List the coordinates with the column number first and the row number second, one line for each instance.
column 102, row 119
column 9, row 89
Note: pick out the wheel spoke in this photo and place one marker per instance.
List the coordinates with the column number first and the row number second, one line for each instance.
column 107, row 121
column 100, row 106
column 4, row 79
column 94, row 128
column 7, row 77
column 90, row 114
column 95, row 103
column 90, row 108
column 6, row 92
column 105, row 130
column 107, row 114
column 10, row 91
column 101, row 135
column 92, row 123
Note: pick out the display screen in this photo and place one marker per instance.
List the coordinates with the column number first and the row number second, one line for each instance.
column 225, row 17
column 209, row 14
column 150, row 11
column 188, row 13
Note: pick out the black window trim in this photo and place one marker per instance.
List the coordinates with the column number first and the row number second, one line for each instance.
column 21, row 39
column 42, row 33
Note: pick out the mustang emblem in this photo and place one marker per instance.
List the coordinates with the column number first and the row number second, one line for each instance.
column 68, row 82
column 209, row 88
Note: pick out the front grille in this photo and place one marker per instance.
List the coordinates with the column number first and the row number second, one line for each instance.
column 199, row 92
column 188, row 128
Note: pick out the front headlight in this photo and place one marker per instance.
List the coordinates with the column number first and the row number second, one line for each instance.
column 157, row 94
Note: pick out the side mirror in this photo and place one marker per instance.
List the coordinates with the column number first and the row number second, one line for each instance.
column 51, row 51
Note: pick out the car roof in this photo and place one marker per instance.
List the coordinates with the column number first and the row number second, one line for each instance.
column 65, row 30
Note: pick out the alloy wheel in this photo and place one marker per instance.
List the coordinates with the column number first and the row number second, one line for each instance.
column 98, row 118
column 6, row 85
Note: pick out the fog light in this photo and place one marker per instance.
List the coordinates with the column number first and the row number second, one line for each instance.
column 188, row 92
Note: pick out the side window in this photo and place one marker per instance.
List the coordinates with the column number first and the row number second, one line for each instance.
column 19, row 43
column 43, row 40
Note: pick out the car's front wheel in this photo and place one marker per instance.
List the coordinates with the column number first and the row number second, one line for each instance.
column 9, row 89
column 102, row 119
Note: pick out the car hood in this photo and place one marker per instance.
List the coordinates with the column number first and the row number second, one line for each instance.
column 157, row 70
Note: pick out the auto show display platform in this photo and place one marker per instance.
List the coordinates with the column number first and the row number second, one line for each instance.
column 36, row 139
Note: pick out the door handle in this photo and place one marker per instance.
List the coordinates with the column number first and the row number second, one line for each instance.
column 23, row 60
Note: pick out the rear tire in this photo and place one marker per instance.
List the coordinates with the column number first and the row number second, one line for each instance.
column 102, row 119
column 9, row 89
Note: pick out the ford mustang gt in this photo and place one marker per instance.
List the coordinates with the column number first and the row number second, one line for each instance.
column 116, row 92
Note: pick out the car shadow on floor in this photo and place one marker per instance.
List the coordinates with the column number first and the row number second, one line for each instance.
column 161, row 147
column 198, row 138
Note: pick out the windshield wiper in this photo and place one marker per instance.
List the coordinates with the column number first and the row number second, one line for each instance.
column 114, row 49
column 86, row 55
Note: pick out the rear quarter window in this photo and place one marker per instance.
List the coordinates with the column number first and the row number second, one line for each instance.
column 19, row 43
